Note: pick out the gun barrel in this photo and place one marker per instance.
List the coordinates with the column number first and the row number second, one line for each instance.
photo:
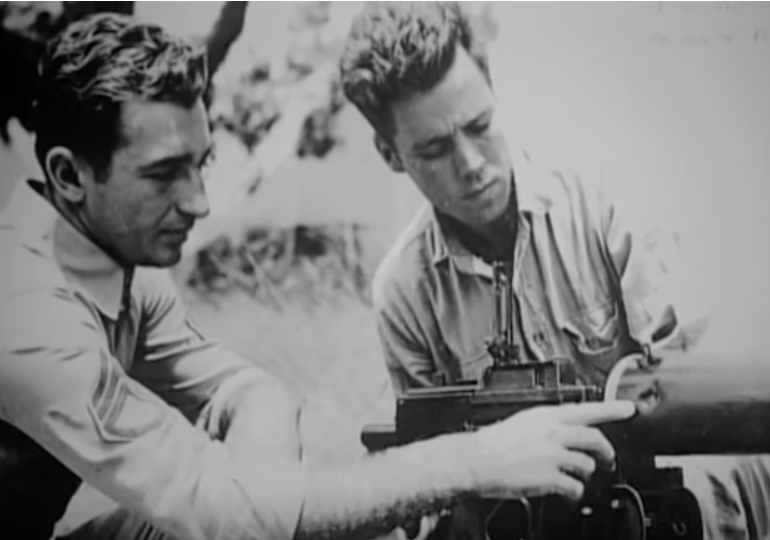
column 694, row 404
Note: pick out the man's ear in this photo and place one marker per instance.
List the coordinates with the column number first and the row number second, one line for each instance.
column 389, row 154
column 65, row 174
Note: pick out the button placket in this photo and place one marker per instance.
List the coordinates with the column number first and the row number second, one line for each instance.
column 531, row 325
column 125, row 325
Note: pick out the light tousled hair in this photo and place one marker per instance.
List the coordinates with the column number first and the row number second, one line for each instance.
column 398, row 49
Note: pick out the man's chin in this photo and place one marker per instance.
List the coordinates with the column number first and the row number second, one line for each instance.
column 487, row 213
column 164, row 258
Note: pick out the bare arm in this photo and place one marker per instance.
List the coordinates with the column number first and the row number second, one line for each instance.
column 536, row 452
column 263, row 419
column 384, row 491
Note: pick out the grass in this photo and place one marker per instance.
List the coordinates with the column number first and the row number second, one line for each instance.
column 328, row 353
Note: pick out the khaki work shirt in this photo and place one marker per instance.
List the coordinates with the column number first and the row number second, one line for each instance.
column 588, row 285
column 105, row 371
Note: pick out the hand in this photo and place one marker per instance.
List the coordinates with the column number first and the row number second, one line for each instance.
column 427, row 526
column 546, row 450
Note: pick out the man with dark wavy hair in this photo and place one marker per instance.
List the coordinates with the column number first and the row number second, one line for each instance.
column 587, row 286
column 96, row 347
column 104, row 379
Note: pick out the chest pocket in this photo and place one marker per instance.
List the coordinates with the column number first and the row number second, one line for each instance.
column 595, row 336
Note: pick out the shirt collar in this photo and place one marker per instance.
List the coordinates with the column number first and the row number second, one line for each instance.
column 531, row 200
column 43, row 229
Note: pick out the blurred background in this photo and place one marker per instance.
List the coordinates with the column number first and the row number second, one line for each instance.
column 671, row 100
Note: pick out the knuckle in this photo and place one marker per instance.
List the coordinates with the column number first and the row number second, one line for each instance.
column 607, row 449
column 554, row 429
column 552, row 455
column 596, row 434
column 570, row 488
column 590, row 466
column 598, row 440
column 562, row 487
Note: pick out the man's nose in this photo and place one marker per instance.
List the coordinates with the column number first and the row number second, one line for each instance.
column 468, row 157
column 193, row 200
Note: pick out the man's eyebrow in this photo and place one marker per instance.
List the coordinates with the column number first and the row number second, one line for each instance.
column 433, row 141
column 441, row 139
column 483, row 116
column 166, row 162
column 175, row 160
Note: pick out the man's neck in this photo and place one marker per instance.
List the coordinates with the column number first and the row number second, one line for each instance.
column 77, row 221
column 494, row 241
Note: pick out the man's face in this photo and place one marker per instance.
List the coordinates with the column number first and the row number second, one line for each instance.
column 141, row 213
column 449, row 143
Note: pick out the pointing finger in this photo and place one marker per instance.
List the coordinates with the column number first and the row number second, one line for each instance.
column 595, row 413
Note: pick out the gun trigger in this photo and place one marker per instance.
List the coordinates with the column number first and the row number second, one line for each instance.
column 649, row 398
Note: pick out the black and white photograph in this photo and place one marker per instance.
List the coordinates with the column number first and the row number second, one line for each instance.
column 384, row 270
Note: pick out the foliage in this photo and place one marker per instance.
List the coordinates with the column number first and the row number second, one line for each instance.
column 309, row 261
column 312, row 265
column 251, row 102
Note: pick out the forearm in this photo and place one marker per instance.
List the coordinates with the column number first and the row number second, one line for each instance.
column 263, row 419
column 373, row 496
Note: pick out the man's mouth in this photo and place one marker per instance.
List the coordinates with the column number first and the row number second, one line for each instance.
column 479, row 191
column 177, row 234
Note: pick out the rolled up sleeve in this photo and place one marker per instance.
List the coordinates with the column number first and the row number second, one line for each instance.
column 60, row 385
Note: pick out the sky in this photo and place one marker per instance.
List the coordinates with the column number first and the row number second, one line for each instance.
column 674, row 104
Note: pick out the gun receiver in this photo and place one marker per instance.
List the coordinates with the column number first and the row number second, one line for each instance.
column 502, row 391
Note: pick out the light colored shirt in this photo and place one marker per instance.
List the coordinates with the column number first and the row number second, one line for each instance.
column 104, row 370
column 591, row 285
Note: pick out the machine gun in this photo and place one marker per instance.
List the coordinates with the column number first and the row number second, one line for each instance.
column 687, row 404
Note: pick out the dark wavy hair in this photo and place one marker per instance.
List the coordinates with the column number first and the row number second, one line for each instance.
column 96, row 64
column 397, row 49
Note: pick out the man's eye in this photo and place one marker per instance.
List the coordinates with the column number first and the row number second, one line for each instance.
column 434, row 152
column 207, row 162
column 479, row 128
column 165, row 175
